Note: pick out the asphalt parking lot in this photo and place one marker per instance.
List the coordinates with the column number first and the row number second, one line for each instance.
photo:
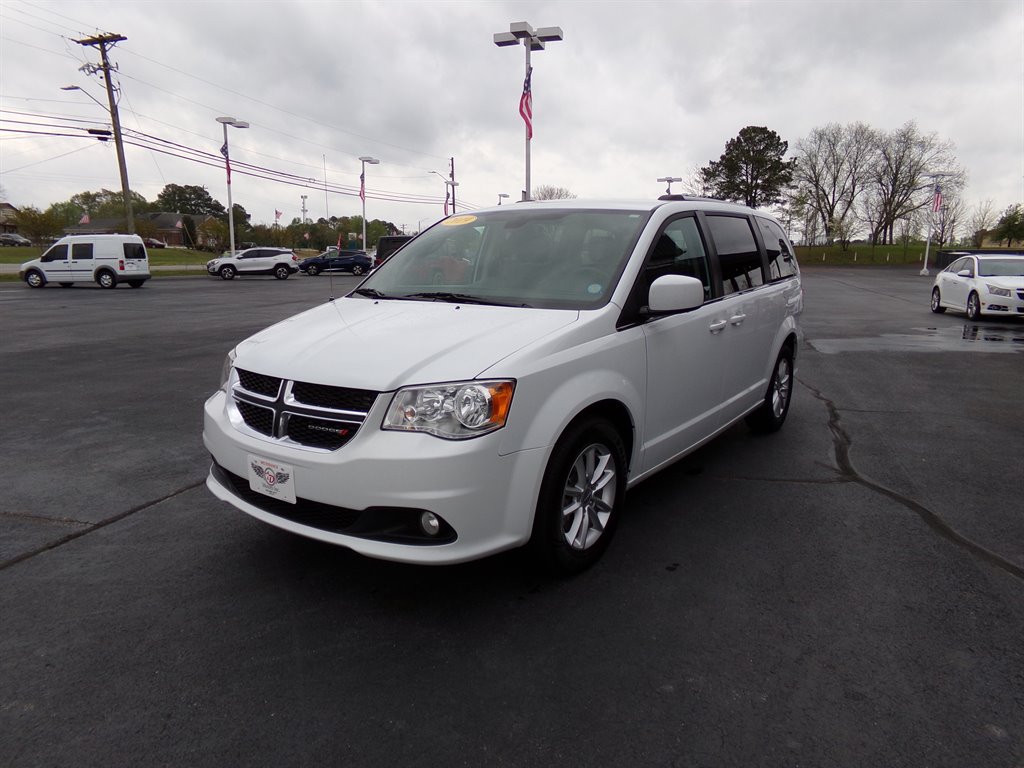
column 847, row 592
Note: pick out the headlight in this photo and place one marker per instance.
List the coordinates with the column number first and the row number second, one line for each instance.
column 995, row 290
column 454, row 411
column 225, row 371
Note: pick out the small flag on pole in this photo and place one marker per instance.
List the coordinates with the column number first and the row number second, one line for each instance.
column 277, row 215
column 937, row 204
column 84, row 219
column 362, row 187
column 339, row 241
column 526, row 104
column 227, row 160
column 178, row 224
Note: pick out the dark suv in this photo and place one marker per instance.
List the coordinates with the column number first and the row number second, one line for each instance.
column 388, row 244
column 356, row 262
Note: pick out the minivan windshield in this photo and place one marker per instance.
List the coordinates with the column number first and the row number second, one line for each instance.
column 557, row 259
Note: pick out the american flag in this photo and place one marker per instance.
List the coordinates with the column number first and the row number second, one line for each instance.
column 362, row 187
column 937, row 204
column 227, row 160
column 339, row 241
column 84, row 219
column 277, row 214
column 526, row 104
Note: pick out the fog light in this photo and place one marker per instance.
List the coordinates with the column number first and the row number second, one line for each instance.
column 430, row 524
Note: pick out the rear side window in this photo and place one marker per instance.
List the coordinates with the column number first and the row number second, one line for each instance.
column 781, row 261
column 737, row 253
column 81, row 251
column 134, row 251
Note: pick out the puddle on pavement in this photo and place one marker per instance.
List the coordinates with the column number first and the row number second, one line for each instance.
column 966, row 338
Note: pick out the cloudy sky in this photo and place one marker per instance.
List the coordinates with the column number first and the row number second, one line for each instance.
column 636, row 90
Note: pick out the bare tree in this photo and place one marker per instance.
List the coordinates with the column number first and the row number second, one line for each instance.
column 949, row 218
column 550, row 192
column 979, row 221
column 900, row 178
column 831, row 170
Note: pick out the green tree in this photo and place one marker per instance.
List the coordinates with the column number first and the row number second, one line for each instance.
column 1010, row 227
column 107, row 204
column 176, row 198
column 38, row 225
column 751, row 170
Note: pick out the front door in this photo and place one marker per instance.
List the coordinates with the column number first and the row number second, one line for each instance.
column 55, row 263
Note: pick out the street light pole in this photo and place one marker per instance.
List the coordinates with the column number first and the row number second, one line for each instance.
column 936, row 201
column 362, row 189
column 226, row 121
column 533, row 40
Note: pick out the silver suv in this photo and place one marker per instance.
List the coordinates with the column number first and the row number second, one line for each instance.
column 279, row 262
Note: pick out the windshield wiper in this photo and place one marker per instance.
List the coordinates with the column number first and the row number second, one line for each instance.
column 459, row 298
column 373, row 293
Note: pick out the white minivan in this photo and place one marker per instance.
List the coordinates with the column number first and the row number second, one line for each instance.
column 103, row 259
column 505, row 377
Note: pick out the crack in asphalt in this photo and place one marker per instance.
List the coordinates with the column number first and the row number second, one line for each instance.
column 842, row 443
column 97, row 526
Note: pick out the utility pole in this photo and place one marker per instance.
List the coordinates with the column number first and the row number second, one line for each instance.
column 103, row 42
column 454, row 185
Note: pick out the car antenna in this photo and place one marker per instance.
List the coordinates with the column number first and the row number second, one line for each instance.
column 330, row 276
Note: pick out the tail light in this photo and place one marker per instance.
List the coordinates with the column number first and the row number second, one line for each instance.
column 120, row 265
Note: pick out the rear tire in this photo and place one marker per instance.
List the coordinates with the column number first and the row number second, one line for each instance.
column 357, row 270
column 937, row 307
column 281, row 272
column 772, row 414
column 106, row 279
column 312, row 270
column 581, row 497
column 136, row 283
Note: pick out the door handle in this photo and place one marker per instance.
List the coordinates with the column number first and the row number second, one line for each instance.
column 716, row 326
column 737, row 319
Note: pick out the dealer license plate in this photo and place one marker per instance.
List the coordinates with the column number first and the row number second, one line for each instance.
column 272, row 478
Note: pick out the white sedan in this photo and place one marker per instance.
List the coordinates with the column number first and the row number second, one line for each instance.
column 981, row 285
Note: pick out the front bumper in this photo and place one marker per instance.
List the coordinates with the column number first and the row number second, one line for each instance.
column 368, row 494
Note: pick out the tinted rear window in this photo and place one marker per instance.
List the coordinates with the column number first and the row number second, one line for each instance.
column 134, row 251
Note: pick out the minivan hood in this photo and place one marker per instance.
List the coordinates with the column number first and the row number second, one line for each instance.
column 385, row 345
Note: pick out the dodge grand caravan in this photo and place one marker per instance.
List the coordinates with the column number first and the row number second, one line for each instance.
column 578, row 349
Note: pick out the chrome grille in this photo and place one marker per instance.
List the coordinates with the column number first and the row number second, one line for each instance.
column 315, row 416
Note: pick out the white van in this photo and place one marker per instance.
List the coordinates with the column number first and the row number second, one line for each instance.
column 103, row 259
column 504, row 378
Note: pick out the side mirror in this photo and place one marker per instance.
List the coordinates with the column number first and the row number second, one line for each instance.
column 675, row 293
column 964, row 273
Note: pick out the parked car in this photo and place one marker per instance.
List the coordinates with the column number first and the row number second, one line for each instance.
column 152, row 242
column 279, row 262
column 104, row 259
column 356, row 262
column 585, row 347
column 13, row 238
column 981, row 285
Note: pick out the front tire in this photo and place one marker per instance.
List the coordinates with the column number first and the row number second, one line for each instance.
column 35, row 279
column 227, row 273
column 106, row 279
column 937, row 307
column 973, row 307
column 582, row 493
column 772, row 414
column 281, row 272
